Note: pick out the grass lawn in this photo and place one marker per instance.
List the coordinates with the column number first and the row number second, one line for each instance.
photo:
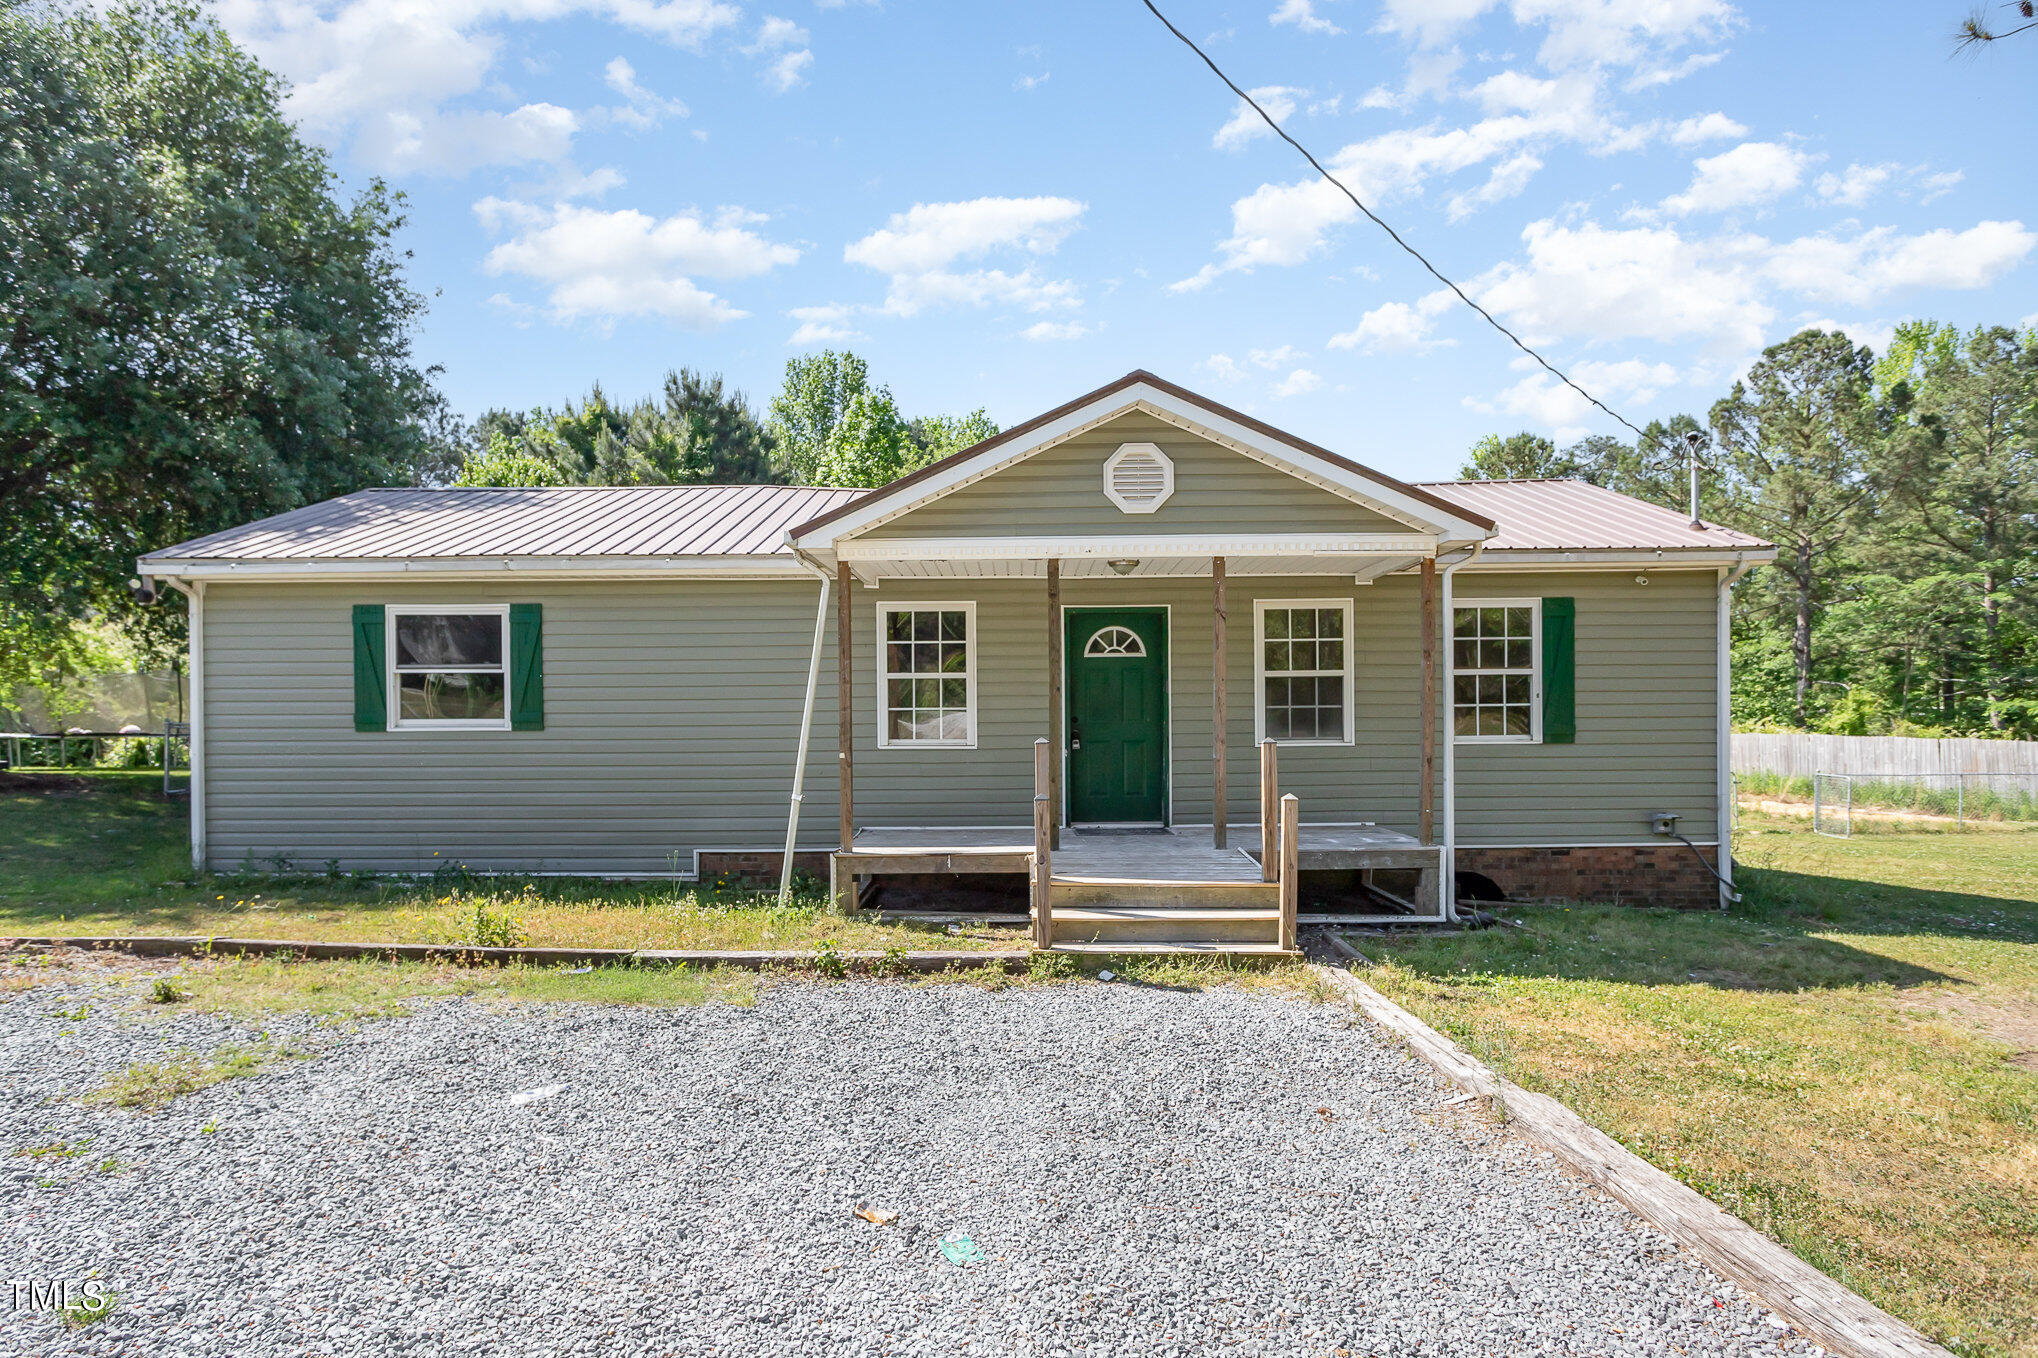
column 114, row 859
column 1848, row 1060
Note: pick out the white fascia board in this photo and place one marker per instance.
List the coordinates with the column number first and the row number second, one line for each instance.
column 1587, row 559
column 1147, row 545
column 1191, row 418
column 480, row 568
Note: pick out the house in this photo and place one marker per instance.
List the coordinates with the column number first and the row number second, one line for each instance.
column 1464, row 685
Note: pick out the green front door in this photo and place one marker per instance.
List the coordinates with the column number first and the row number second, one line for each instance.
column 1117, row 714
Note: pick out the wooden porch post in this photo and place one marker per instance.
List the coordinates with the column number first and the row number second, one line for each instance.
column 1291, row 862
column 1270, row 801
column 1429, row 700
column 1219, row 711
column 845, row 703
column 1054, row 667
column 1042, row 885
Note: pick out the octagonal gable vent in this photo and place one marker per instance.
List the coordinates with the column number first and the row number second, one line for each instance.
column 1138, row 478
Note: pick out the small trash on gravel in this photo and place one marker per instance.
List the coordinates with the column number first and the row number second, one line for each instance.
column 876, row 1216
column 960, row 1250
column 524, row 1096
column 1107, row 975
column 576, row 971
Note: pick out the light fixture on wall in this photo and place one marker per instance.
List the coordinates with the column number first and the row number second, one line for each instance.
column 1124, row 565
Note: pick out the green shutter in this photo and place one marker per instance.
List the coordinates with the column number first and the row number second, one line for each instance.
column 1560, row 671
column 527, row 667
column 371, row 670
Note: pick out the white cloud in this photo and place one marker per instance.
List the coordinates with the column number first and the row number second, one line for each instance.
column 1278, row 100
column 645, row 107
column 1544, row 401
column 455, row 142
column 1031, row 82
column 1857, row 184
column 1753, row 173
column 1878, row 262
column 1302, row 14
column 1285, row 224
column 1271, row 359
column 602, row 265
column 1298, row 383
column 1712, row 127
column 788, row 69
column 822, row 325
column 1055, row 330
column 380, row 73
column 917, row 248
column 1223, row 367
column 785, row 44
column 1649, row 77
column 1579, row 32
column 1645, row 283
column 1939, row 185
column 1397, row 326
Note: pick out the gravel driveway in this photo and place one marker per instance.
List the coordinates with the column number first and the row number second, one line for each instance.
column 1146, row 1171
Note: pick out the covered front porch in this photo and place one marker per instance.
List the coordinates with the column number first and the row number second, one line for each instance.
column 1131, row 679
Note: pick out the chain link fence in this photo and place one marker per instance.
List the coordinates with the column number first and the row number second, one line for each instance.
column 1955, row 801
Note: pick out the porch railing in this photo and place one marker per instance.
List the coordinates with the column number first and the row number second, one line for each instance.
column 1043, row 844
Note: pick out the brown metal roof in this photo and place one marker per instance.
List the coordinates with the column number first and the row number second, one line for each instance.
column 1132, row 379
column 1557, row 515
column 559, row 521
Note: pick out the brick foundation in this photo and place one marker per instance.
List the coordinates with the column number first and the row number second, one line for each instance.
column 1633, row 874
column 759, row 866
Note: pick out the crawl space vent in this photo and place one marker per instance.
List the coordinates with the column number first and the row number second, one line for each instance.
column 1138, row 478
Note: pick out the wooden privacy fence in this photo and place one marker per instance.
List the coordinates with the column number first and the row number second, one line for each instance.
column 1800, row 754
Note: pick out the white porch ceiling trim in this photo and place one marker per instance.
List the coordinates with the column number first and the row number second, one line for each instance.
column 1193, row 419
column 1144, row 547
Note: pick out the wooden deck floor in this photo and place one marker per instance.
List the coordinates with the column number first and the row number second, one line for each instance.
column 1182, row 853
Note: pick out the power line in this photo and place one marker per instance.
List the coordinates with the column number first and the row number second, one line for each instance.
column 1280, row 132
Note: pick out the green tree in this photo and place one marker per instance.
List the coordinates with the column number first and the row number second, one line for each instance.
column 1963, row 527
column 939, row 436
column 506, row 462
column 1517, row 457
column 834, row 429
column 1797, row 437
column 194, row 330
column 721, row 439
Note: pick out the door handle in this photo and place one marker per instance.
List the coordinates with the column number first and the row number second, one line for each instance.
column 1075, row 739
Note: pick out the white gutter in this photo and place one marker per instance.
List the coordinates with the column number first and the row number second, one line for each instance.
column 194, row 613
column 792, row 820
column 1449, row 885
column 1723, row 682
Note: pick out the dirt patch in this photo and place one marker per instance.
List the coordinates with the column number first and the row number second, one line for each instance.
column 2013, row 1022
column 48, row 784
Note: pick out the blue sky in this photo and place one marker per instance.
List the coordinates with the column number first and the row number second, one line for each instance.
column 1006, row 205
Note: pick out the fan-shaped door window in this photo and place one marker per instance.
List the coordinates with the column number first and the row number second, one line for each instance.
column 1110, row 643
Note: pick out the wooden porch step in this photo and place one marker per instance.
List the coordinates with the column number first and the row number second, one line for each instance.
column 1217, row 927
column 1198, row 948
column 1110, row 913
column 1109, row 891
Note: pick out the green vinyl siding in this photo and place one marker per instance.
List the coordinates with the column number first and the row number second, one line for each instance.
column 1645, row 669
column 672, row 708
column 1061, row 491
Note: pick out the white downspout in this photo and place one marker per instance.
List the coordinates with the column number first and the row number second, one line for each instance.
column 1449, row 885
column 194, row 625
column 792, row 823
column 1723, row 682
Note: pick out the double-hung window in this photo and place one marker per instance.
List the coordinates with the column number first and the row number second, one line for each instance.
column 1496, row 671
column 447, row 667
column 1304, row 671
column 927, row 676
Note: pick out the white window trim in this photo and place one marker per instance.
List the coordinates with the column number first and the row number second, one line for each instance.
column 1535, row 736
column 392, row 694
column 969, row 636
column 1260, row 607
column 1152, row 450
